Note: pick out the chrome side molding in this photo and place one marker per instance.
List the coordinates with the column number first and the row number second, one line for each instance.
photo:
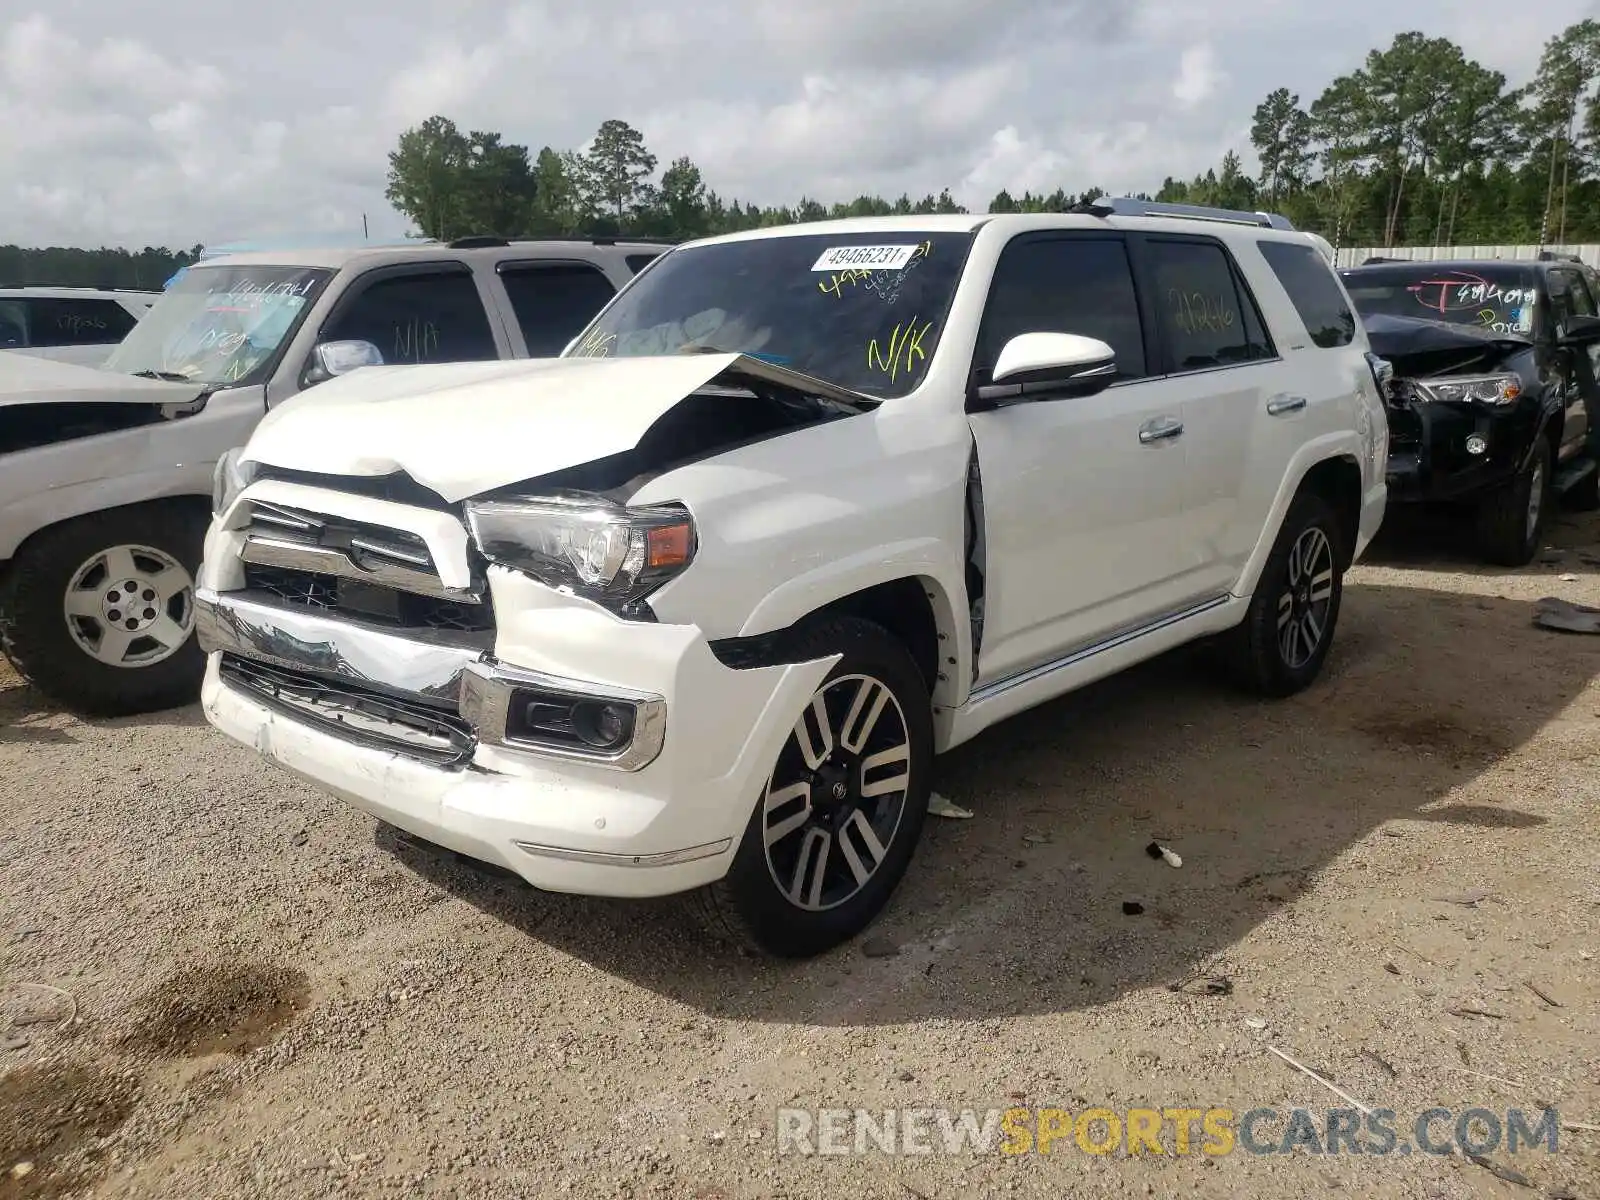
column 990, row 690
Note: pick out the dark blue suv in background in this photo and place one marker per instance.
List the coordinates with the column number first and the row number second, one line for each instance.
column 1494, row 404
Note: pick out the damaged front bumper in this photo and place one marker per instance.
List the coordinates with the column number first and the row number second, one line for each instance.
column 1440, row 451
column 424, row 732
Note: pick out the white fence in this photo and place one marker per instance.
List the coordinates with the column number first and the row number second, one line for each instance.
column 1355, row 256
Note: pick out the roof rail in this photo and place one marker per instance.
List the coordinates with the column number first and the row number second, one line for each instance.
column 1559, row 256
column 599, row 240
column 74, row 287
column 1127, row 206
column 476, row 241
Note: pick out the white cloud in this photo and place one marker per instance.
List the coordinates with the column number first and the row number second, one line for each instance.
column 186, row 121
column 1198, row 75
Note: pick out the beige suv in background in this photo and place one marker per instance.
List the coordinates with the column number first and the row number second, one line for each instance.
column 106, row 474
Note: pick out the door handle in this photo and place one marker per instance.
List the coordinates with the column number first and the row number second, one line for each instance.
column 1159, row 430
column 1282, row 406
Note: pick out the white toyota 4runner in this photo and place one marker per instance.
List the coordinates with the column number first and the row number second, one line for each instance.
column 695, row 605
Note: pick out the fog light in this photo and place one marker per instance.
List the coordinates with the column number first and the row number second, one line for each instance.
column 556, row 720
column 1477, row 444
column 603, row 726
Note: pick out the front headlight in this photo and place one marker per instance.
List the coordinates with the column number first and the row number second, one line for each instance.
column 228, row 480
column 1495, row 390
column 586, row 544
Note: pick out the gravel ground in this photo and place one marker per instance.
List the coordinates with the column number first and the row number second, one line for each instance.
column 250, row 990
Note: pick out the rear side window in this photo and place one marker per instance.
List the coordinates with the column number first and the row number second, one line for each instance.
column 432, row 318
column 13, row 325
column 75, row 322
column 1209, row 318
column 1569, row 295
column 638, row 262
column 554, row 302
column 1065, row 285
column 1313, row 291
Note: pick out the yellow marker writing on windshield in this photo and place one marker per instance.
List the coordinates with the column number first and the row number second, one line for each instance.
column 903, row 351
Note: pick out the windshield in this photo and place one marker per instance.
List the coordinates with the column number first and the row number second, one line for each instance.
column 221, row 325
column 863, row 311
column 1501, row 300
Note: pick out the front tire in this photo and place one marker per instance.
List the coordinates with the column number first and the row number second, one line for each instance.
column 1279, row 647
column 841, row 813
column 99, row 613
column 1512, row 520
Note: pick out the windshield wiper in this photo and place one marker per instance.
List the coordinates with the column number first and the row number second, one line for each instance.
column 165, row 376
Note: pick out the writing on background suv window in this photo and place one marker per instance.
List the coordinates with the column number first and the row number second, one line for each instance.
column 419, row 319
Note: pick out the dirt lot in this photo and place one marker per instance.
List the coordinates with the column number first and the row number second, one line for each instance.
column 262, row 994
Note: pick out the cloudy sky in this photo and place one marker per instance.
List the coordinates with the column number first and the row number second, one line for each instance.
column 183, row 121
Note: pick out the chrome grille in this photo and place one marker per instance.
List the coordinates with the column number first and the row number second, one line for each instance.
column 330, row 593
column 368, row 546
column 368, row 572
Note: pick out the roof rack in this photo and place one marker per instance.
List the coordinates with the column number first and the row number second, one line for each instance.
column 600, row 240
column 1127, row 206
column 483, row 241
column 1559, row 256
column 477, row 241
column 74, row 287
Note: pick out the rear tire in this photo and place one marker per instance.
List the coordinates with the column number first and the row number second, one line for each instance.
column 72, row 627
column 1512, row 520
column 841, row 813
column 1279, row 647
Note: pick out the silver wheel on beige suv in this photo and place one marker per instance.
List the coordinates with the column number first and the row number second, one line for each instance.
column 98, row 612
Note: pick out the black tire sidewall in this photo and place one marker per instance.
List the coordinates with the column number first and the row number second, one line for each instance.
column 38, row 642
column 1272, row 674
column 768, row 919
column 1503, row 533
column 1524, row 492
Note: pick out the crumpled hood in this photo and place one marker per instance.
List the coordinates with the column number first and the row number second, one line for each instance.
column 1400, row 337
column 28, row 379
column 461, row 429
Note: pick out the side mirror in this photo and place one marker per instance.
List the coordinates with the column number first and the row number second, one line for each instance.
column 1047, row 366
column 1580, row 330
column 331, row 359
